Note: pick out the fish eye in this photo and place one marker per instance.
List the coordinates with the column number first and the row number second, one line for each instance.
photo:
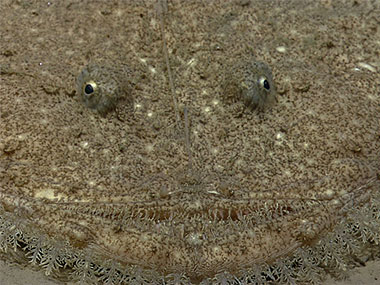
column 89, row 88
column 264, row 83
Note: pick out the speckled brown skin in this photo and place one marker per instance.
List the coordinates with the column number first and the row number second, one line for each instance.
column 290, row 193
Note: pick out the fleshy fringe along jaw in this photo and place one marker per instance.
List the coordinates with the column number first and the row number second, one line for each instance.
column 203, row 181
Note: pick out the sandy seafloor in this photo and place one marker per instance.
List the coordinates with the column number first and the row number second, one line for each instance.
column 11, row 274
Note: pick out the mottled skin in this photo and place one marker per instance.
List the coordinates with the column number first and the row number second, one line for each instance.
column 286, row 194
column 200, row 254
column 176, row 239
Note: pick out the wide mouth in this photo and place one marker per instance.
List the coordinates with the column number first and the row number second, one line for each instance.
column 213, row 211
column 85, row 162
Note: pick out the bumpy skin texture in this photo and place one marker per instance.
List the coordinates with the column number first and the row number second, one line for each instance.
column 251, row 82
column 286, row 196
column 106, row 87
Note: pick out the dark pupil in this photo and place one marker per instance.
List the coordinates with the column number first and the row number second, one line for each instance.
column 266, row 84
column 88, row 89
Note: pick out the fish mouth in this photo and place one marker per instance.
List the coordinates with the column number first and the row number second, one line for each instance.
column 233, row 211
column 212, row 230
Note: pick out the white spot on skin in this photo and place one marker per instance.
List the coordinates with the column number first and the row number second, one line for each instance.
column 371, row 97
column 207, row 109
column 149, row 147
column 219, row 167
column 367, row 66
column 335, row 202
column 191, row 62
column 280, row 136
column 329, row 193
column 84, row 144
column 194, row 239
column 21, row 137
column 216, row 249
column 281, row 49
column 150, row 114
column 47, row 194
